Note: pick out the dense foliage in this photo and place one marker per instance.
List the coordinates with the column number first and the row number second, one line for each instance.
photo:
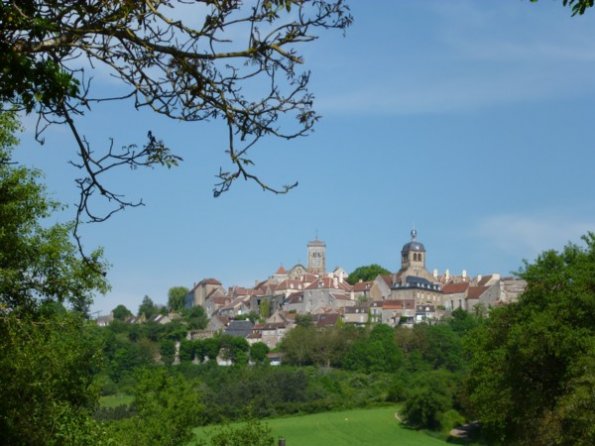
column 49, row 356
column 532, row 372
column 38, row 262
column 366, row 273
column 176, row 297
column 251, row 433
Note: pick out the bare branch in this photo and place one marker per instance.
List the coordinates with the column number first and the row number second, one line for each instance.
column 186, row 70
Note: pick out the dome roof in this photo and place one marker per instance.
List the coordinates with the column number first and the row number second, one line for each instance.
column 413, row 245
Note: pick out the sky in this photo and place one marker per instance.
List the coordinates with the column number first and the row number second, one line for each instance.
column 470, row 121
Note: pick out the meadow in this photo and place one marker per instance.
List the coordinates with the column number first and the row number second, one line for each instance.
column 358, row 427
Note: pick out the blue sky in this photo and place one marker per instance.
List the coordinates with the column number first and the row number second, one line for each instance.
column 470, row 120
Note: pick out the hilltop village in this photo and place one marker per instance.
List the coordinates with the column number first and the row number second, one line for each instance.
column 409, row 296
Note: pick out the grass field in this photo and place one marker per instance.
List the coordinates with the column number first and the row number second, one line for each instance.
column 359, row 427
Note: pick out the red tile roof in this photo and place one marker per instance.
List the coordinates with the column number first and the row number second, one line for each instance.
column 388, row 279
column 339, row 296
column 452, row 288
column 326, row 320
column 290, row 284
column 362, row 286
column 295, row 298
column 328, row 282
column 281, row 270
column 484, row 280
column 476, row 291
column 209, row 281
column 399, row 304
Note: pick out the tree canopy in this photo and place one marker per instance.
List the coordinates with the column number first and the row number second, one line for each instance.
column 187, row 60
column 38, row 262
column 175, row 298
column 121, row 312
column 49, row 356
column 366, row 273
column 532, row 369
column 147, row 308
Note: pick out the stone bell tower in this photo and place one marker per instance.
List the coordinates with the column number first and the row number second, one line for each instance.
column 317, row 257
column 413, row 254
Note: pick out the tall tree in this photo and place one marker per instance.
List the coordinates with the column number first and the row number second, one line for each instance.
column 532, row 369
column 38, row 262
column 48, row 357
column 147, row 308
column 186, row 60
column 176, row 297
column 121, row 312
column 195, row 317
column 167, row 408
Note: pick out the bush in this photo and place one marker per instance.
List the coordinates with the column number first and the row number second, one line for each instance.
column 449, row 420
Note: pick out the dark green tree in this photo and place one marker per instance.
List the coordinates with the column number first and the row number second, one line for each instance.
column 250, row 433
column 430, row 395
column 298, row 345
column 176, row 297
column 47, row 369
column 533, row 362
column 186, row 350
column 377, row 352
column 438, row 346
column 49, row 357
column 303, row 320
column 38, row 262
column 195, row 317
column 167, row 408
column 167, row 349
column 148, row 309
column 366, row 273
column 258, row 352
column 462, row 321
column 235, row 348
column 121, row 313
column 211, row 347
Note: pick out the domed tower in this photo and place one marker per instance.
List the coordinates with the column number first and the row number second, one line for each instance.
column 413, row 254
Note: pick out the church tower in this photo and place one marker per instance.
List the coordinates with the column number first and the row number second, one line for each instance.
column 413, row 255
column 317, row 257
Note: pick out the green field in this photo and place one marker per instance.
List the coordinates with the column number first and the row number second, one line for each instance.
column 360, row 427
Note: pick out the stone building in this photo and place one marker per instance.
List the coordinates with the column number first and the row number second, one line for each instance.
column 203, row 290
column 413, row 281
